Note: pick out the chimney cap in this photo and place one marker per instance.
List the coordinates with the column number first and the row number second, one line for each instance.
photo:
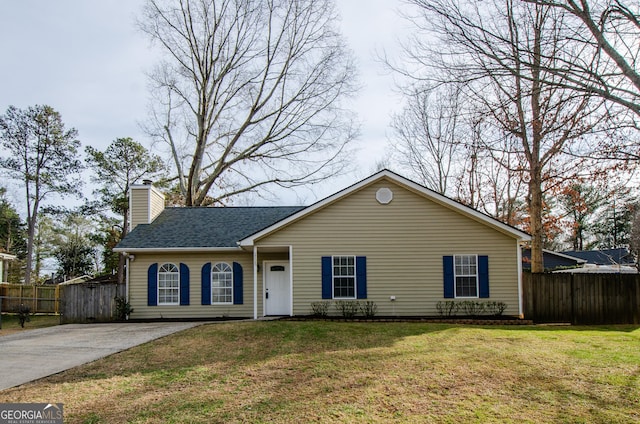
column 146, row 182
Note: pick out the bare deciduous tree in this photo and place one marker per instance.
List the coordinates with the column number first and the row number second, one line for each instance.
column 427, row 133
column 250, row 93
column 634, row 243
column 440, row 139
column 608, row 30
column 501, row 52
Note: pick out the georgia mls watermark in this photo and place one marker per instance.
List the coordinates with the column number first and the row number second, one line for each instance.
column 31, row 413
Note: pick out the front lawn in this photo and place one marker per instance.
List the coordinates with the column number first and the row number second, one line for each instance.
column 11, row 323
column 295, row 372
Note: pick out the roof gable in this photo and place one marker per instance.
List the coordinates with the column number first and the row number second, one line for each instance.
column 551, row 260
column 405, row 183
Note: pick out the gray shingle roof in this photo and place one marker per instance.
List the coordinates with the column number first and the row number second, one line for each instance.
column 204, row 227
column 618, row 256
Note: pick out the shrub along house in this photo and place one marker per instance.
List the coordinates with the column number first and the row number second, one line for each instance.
column 384, row 239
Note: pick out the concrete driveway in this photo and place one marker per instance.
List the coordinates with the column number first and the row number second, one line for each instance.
column 33, row 354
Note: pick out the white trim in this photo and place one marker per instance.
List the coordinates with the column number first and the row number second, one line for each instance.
column 430, row 194
column 130, row 201
column 520, row 294
column 264, row 288
column 149, row 206
column 158, row 303
column 175, row 249
column 355, row 278
column 213, row 264
column 266, row 263
column 290, row 280
column 455, row 275
column 7, row 257
column 126, row 279
column 255, row 282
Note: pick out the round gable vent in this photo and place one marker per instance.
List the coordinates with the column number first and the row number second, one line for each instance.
column 384, row 195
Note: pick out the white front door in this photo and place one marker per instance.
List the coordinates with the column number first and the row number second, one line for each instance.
column 277, row 288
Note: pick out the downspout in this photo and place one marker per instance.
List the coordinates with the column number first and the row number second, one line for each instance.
column 519, row 253
column 126, row 279
column 255, row 282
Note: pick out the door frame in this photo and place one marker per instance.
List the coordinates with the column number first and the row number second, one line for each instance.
column 265, row 265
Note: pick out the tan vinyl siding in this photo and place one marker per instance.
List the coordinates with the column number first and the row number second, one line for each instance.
column 404, row 243
column 195, row 261
column 139, row 206
column 157, row 203
column 145, row 204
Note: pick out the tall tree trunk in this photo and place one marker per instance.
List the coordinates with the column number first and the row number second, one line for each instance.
column 30, row 239
column 535, row 216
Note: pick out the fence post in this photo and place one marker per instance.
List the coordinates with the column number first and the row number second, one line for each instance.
column 534, row 302
column 56, row 303
column 572, row 292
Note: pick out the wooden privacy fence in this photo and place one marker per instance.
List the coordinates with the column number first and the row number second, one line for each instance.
column 89, row 301
column 582, row 298
column 39, row 299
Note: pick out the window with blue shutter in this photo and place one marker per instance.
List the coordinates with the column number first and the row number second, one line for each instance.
column 361, row 276
column 344, row 277
column 168, row 284
column 483, row 276
column 237, row 284
column 449, row 278
column 184, row 284
column 206, row 284
column 152, row 285
column 327, row 274
column 466, row 276
column 222, row 284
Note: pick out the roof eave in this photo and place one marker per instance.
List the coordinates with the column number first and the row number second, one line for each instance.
column 175, row 249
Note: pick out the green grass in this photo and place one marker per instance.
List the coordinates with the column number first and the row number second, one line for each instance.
column 285, row 371
column 10, row 323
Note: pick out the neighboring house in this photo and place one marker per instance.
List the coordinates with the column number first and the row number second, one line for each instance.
column 618, row 256
column 5, row 258
column 551, row 260
column 384, row 239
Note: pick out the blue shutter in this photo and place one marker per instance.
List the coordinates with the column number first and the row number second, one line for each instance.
column 483, row 276
column 361, row 277
column 237, row 284
column 449, row 280
column 184, row 284
column 327, row 274
column 206, row 284
column 152, row 285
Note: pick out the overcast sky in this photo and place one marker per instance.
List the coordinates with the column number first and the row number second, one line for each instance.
column 87, row 60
